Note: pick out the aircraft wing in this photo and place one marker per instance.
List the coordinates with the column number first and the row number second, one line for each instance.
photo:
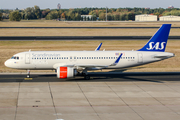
column 80, row 66
column 87, row 66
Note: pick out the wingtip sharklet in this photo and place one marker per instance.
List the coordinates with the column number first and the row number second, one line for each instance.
column 98, row 48
column 117, row 60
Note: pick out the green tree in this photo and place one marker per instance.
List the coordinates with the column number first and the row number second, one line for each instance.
column 116, row 16
column 15, row 16
column 77, row 16
column 102, row 16
column 30, row 13
column 44, row 13
column 37, row 12
column 131, row 16
column 52, row 15
column 109, row 17
column 0, row 16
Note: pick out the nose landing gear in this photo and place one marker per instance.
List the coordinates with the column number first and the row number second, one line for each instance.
column 28, row 76
column 28, row 73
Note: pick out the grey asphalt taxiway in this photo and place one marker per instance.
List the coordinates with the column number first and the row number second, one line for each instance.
column 95, row 77
column 106, row 96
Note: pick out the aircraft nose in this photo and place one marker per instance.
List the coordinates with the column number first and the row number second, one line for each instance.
column 7, row 63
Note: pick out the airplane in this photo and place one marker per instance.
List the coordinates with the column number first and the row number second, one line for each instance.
column 68, row 64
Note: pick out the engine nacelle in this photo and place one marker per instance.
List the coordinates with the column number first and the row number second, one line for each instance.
column 66, row 72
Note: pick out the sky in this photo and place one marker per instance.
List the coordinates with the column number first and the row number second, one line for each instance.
column 52, row 4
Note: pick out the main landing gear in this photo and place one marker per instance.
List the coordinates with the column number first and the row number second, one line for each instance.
column 85, row 74
column 86, row 77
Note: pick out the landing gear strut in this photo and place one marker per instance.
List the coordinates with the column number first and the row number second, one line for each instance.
column 28, row 73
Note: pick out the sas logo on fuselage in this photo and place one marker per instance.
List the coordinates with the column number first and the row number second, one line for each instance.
column 157, row 46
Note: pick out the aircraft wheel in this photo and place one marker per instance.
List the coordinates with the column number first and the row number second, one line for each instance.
column 86, row 77
column 28, row 76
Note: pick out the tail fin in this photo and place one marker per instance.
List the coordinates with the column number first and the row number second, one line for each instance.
column 159, row 40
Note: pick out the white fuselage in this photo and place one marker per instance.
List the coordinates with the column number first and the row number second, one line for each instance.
column 47, row 60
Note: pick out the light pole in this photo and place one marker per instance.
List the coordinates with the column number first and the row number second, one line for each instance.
column 106, row 13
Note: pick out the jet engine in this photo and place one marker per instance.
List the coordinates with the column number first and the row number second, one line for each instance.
column 66, row 72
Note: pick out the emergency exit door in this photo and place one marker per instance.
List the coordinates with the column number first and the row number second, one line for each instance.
column 27, row 58
column 140, row 58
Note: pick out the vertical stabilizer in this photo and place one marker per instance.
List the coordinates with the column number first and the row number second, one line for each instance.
column 159, row 40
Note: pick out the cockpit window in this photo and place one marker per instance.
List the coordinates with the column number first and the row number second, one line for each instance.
column 15, row 57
